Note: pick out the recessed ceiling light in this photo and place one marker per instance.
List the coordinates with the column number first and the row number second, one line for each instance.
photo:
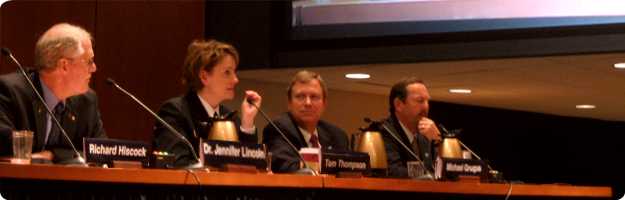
column 357, row 76
column 460, row 91
column 585, row 106
column 619, row 65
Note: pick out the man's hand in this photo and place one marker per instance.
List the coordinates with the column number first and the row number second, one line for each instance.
column 45, row 155
column 428, row 128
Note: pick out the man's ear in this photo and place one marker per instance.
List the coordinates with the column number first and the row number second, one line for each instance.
column 63, row 64
column 398, row 104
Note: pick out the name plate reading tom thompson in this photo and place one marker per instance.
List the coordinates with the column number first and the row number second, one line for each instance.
column 451, row 169
column 219, row 153
column 333, row 162
column 105, row 151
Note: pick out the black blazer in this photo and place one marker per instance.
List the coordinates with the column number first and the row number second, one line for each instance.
column 397, row 156
column 20, row 109
column 284, row 159
column 187, row 115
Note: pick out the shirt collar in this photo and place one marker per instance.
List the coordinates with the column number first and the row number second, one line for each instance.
column 307, row 135
column 209, row 110
column 48, row 96
column 407, row 131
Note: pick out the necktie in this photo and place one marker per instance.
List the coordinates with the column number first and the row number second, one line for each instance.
column 314, row 140
column 55, row 132
column 415, row 146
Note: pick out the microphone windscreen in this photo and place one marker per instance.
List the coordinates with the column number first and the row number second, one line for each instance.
column 230, row 114
column 443, row 128
column 5, row 51
column 110, row 81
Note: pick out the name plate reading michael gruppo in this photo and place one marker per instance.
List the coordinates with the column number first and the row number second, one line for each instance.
column 102, row 150
column 450, row 169
column 218, row 153
column 333, row 162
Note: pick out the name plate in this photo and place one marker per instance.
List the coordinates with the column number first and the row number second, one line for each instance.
column 105, row 151
column 451, row 169
column 219, row 153
column 333, row 162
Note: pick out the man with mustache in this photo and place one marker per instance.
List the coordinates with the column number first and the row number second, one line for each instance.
column 409, row 106
column 64, row 62
column 302, row 125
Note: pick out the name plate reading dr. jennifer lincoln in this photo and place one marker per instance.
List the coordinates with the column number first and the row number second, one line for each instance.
column 105, row 151
column 219, row 153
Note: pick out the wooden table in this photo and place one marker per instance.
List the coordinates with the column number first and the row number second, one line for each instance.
column 467, row 188
column 155, row 176
column 157, row 183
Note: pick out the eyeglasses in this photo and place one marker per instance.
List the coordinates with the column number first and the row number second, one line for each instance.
column 90, row 62
column 304, row 97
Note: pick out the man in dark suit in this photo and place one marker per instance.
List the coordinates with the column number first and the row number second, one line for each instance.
column 409, row 107
column 64, row 64
column 209, row 73
column 302, row 124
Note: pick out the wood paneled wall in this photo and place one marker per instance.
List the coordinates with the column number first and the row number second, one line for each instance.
column 140, row 44
column 24, row 21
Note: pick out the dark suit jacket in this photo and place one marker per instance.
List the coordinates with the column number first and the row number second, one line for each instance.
column 187, row 115
column 21, row 110
column 284, row 159
column 397, row 156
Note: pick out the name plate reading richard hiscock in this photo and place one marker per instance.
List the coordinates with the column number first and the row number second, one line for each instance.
column 105, row 151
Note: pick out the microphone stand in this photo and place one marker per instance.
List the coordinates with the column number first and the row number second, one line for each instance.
column 306, row 169
column 474, row 154
column 408, row 149
column 491, row 170
column 79, row 160
column 463, row 145
column 159, row 119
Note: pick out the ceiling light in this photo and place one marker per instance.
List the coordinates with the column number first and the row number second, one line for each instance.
column 619, row 65
column 357, row 76
column 585, row 106
column 460, row 91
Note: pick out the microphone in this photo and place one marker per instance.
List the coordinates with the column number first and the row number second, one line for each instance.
column 79, row 160
column 465, row 146
column 229, row 115
column 6, row 52
column 408, row 149
column 306, row 169
column 159, row 119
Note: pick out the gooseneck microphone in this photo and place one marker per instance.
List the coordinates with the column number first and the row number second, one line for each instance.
column 158, row 118
column 306, row 169
column 79, row 160
column 396, row 138
column 465, row 146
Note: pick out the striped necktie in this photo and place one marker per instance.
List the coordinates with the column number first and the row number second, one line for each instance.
column 415, row 146
column 55, row 133
column 314, row 140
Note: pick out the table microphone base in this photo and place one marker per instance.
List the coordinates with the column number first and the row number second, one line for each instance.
column 197, row 165
column 305, row 171
column 74, row 162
